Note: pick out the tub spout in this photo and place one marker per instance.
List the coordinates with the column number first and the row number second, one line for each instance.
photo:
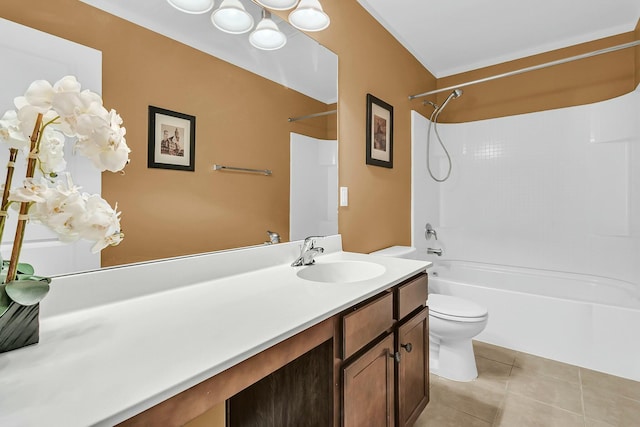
column 434, row 251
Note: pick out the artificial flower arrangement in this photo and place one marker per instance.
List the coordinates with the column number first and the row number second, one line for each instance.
column 44, row 118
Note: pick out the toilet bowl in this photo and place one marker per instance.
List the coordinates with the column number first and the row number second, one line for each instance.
column 453, row 322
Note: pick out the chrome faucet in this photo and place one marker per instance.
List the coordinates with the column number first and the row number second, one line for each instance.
column 273, row 237
column 434, row 251
column 307, row 252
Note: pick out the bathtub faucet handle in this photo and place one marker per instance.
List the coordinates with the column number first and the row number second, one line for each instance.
column 430, row 231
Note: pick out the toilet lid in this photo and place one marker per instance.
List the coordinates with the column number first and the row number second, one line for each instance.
column 453, row 306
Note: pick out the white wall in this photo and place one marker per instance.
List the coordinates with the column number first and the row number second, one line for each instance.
column 555, row 190
column 313, row 208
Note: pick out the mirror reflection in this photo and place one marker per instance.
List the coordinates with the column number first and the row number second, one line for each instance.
column 241, row 121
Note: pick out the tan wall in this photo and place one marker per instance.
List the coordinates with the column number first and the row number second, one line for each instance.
column 165, row 212
column 575, row 83
column 372, row 61
column 637, row 52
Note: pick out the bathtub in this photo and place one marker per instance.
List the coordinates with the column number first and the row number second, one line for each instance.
column 588, row 321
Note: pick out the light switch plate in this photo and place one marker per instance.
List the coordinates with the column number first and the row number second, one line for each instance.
column 344, row 196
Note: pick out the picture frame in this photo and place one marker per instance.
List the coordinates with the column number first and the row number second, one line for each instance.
column 379, row 132
column 172, row 140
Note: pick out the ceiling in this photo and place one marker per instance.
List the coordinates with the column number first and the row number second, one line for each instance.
column 453, row 36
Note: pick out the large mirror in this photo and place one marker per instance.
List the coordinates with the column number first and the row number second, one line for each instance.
column 154, row 55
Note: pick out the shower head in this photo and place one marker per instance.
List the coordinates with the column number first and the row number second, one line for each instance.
column 455, row 94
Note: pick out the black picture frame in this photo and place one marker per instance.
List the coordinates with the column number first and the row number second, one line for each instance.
column 379, row 132
column 172, row 140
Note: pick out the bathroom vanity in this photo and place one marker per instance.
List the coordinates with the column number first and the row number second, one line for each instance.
column 161, row 343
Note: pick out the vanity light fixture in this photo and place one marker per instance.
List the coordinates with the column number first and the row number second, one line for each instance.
column 277, row 4
column 309, row 16
column 231, row 17
column 267, row 35
column 192, row 6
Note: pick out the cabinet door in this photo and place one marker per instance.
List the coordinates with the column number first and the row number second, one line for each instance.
column 368, row 399
column 413, row 369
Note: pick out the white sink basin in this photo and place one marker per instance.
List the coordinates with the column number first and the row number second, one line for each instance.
column 341, row 271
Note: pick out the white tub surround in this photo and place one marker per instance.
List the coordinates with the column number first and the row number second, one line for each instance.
column 116, row 342
column 554, row 190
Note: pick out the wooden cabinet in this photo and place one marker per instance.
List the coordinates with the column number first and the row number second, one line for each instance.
column 368, row 387
column 385, row 358
column 413, row 368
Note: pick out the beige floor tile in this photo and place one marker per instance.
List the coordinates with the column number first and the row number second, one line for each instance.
column 552, row 391
column 493, row 352
column 625, row 387
column 602, row 405
column 519, row 411
column 492, row 373
column 541, row 366
column 439, row 415
column 432, row 379
column 588, row 422
column 473, row 398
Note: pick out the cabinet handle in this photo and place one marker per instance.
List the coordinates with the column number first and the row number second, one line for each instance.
column 407, row 347
column 395, row 356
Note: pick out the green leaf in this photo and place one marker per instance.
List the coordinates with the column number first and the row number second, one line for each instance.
column 28, row 292
column 4, row 300
column 24, row 268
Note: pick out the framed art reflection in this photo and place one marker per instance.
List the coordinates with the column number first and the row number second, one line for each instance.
column 172, row 140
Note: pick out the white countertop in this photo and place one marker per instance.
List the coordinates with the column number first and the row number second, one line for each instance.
column 105, row 363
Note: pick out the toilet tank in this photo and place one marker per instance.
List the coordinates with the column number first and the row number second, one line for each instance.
column 408, row 252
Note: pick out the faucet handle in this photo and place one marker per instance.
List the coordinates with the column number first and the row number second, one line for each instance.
column 310, row 241
column 430, row 231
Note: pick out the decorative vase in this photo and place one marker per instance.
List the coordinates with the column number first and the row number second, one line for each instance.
column 19, row 326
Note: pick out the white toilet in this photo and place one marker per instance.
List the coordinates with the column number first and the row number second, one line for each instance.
column 453, row 322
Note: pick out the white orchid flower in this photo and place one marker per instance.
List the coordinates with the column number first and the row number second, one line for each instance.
column 33, row 190
column 106, row 146
column 65, row 215
column 62, row 210
column 76, row 109
column 67, row 84
column 42, row 95
column 67, row 112
column 51, row 153
column 111, row 240
column 27, row 115
column 10, row 132
column 102, row 220
column 39, row 95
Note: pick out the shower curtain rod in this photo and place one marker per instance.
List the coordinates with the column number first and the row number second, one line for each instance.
column 533, row 68
column 310, row 116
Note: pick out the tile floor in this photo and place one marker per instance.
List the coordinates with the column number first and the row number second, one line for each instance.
column 520, row 390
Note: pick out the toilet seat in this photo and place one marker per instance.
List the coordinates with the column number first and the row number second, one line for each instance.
column 448, row 307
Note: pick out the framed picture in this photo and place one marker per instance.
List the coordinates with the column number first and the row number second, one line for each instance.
column 172, row 140
column 379, row 132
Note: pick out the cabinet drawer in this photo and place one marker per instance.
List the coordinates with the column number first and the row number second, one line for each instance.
column 366, row 323
column 412, row 295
